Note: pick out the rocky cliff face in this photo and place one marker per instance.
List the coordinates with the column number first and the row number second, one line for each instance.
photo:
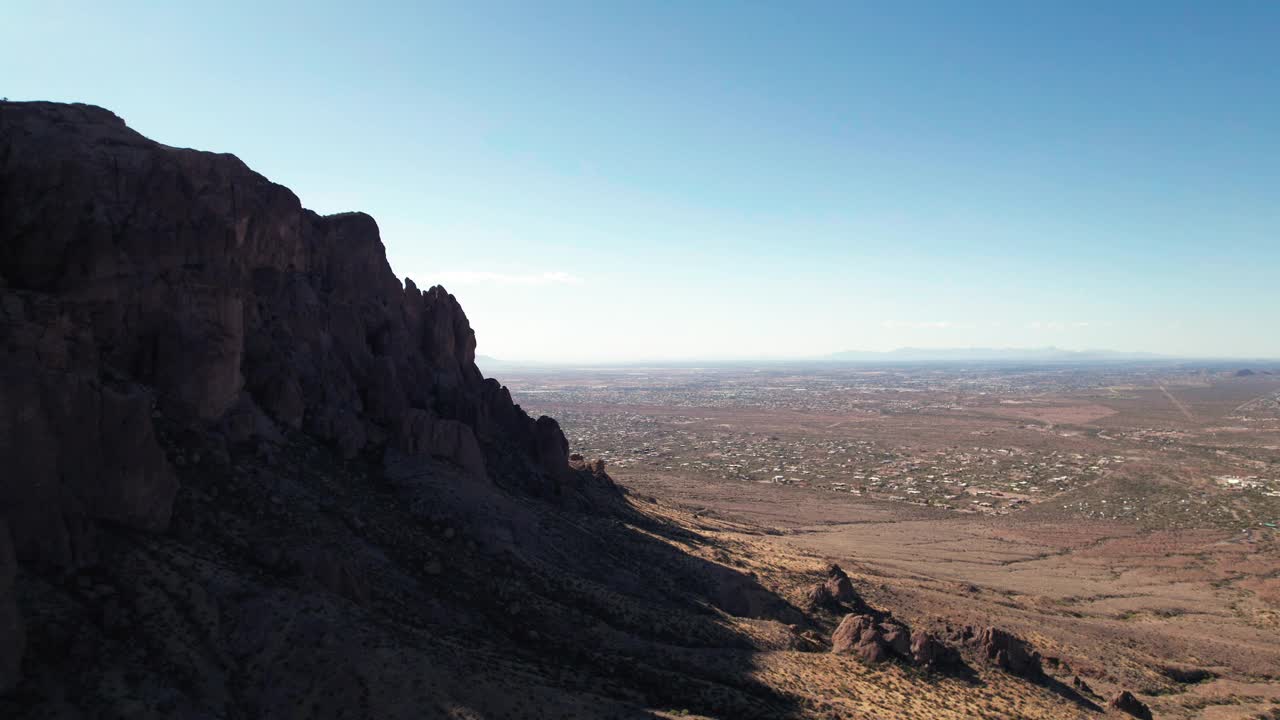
column 134, row 273
column 140, row 281
column 247, row 472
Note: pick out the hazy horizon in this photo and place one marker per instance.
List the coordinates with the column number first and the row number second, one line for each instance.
column 902, row 355
column 723, row 180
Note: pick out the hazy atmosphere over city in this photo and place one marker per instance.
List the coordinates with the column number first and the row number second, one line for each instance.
column 738, row 179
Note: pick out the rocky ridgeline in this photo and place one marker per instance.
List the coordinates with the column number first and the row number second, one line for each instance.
column 874, row 636
column 876, row 640
column 140, row 281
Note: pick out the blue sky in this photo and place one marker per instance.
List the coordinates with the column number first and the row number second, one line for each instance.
column 722, row 180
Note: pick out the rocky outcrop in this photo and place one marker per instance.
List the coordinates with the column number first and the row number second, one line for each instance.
column 1009, row 652
column 839, row 585
column 875, row 640
column 595, row 467
column 930, row 652
column 1126, row 702
column 142, row 283
column 862, row 637
column 833, row 593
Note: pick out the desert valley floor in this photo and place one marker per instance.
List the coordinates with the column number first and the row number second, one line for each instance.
column 1122, row 519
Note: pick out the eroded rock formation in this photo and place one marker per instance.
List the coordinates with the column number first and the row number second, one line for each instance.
column 874, row 640
column 140, row 281
column 1009, row 652
column 839, row 585
column 834, row 594
column 1126, row 702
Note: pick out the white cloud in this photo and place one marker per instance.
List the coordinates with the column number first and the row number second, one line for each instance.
column 451, row 278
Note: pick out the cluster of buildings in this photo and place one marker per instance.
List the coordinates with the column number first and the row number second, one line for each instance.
column 974, row 478
column 859, row 432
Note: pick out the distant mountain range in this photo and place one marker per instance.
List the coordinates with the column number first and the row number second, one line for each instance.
column 1045, row 354
column 488, row 362
column 489, row 365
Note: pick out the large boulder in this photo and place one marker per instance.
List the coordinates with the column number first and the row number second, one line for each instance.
column 833, row 593
column 871, row 640
column 861, row 637
column 897, row 638
column 1009, row 652
column 848, row 634
column 1126, row 702
column 839, row 585
column 930, row 652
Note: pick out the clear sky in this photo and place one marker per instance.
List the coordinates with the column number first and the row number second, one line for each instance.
column 676, row 180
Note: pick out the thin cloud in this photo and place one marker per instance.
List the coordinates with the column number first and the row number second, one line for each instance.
column 1060, row 324
column 472, row 277
column 926, row 325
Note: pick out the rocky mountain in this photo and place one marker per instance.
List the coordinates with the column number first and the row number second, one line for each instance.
column 251, row 473
column 247, row 472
